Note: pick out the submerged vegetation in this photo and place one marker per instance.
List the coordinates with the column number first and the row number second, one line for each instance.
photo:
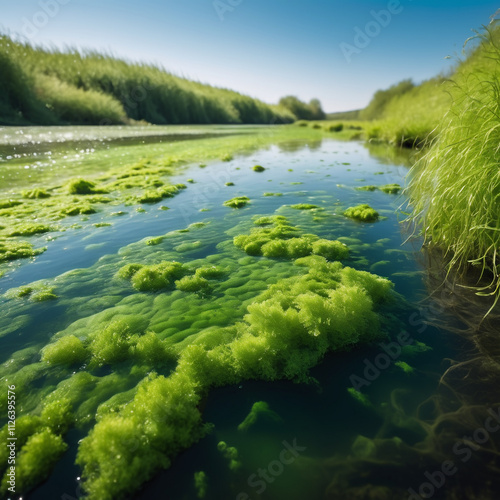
column 188, row 326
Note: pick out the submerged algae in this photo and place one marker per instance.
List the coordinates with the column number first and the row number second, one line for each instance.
column 12, row 250
column 284, row 241
column 260, row 412
column 244, row 331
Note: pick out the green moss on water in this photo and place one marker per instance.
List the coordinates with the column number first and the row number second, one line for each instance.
column 157, row 277
column 68, row 350
column 102, row 224
column 227, row 157
column 390, row 188
column 43, row 294
column 284, row 241
column 363, row 213
column 127, row 271
column 36, row 193
column 155, row 241
column 331, row 250
column 9, row 204
column 272, row 194
column 193, row 284
column 82, row 186
column 78, row 209
column 111, row 343
column 228, row 184
column 188, row 246
column 210, row 272
column 238, row 202
column 304, row 206
column 29, row 229
column 12, row 250
column 366, row 188
column 258, row 168
column 260, row 413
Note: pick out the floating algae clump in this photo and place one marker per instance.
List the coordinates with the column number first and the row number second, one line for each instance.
column 111, row 344
column 153, row 196
column 127, row 271
column 284, row 241
column 331, row 250
column 228, row 184
column 68, row 350
column 81, row 186
column 9, row 203
column 238, row 202
column 36, row 193
column 390, row 188
column 12, row 250
column 193, row 284
column 303, row 206
column 79, row 209
column 37, row 292
column 156, row 277
column 366, row 188
column 210, row 272
column 258, row 168
column 30, row 229
column 260, row 412
column 363, row 213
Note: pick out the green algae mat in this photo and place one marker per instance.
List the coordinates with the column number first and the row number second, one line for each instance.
column 230, row 330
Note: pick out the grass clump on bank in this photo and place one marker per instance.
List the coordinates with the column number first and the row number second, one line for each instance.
column 455, row 188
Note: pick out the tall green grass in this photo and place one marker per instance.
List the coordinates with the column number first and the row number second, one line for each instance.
column 455, row 187
column 46, row 86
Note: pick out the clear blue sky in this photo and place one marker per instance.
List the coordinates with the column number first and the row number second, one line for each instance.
column 265, row 48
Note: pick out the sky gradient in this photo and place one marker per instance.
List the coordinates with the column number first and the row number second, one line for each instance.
column 340, row 52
